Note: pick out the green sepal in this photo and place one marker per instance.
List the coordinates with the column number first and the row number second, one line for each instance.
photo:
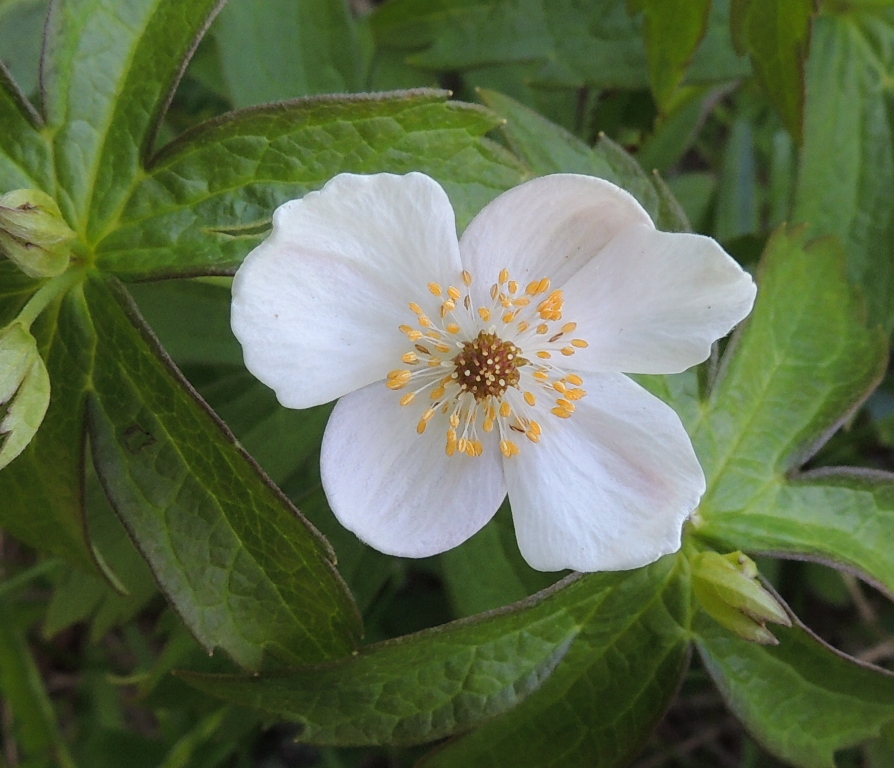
column 727, row 588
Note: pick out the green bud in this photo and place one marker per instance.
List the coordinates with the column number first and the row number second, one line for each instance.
column 33, row 233
column 24, row 390
column 728, row 589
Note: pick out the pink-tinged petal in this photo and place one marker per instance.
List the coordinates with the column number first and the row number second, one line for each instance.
column 547, row 227
column 654, row 302
column 607, row 489
column 398, row 491
column 318, row 304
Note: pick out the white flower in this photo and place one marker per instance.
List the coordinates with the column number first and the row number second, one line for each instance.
column 468, row 369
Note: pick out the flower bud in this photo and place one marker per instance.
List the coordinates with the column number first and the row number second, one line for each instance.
column 728, row 589
column 33, row 233
column 24, row 390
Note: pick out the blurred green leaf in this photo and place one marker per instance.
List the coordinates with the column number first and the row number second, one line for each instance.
column 738, row 207
column 611, row 688
column 846, row 175
column 802, row 700
column 282, row 49
column 208, row 198
column 549, row 148
column 776, row 35
column 108, row 73
column 21, row 31
column 673, row 31
column 241, row 567
column 802, row 362
column 23, row 689
column 24, row 153
column 575, row 44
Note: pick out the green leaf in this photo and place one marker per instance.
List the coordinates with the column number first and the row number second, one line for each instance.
column 109, row 69
column 209, row 196
column 673, row 31
column 440, row 681
column 776, row 34
column 802, row 700
column 846, row 176
column 24, row 391
column 419, row 687
column 24, row 154
column 242, row 568
column 21, row 33
column 575, row 44
column 610, row 689
column 48, row 475
column 282, row 49
column 549, row 148
column 802, row 362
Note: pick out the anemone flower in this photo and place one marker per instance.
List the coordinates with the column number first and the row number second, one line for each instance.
column 491, row 364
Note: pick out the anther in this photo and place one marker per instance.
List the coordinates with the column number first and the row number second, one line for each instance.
column 467, row 278
column 435, row 289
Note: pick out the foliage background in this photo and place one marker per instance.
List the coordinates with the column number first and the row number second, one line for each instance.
column 746, row 131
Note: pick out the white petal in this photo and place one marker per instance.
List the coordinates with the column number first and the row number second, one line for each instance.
column 607, row 489
column 547, row 227
column 397, row 490
column 654, row 302
column 317, row 305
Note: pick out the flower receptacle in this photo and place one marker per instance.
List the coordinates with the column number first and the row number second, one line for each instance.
column 33, row 233
column 728, row 589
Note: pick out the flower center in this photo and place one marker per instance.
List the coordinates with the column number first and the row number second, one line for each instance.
column 486, row 366
column 470, row 362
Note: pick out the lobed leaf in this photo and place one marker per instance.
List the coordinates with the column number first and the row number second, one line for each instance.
column 419, row 687
column 208, row 198
column 612, row 686
column 441, row 681
column 802, row 362
column 801, row 699
column 241, row 567
column 108, row 71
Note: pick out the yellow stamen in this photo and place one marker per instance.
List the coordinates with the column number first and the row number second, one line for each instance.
column 530, row 399
column 505, row 409
column 467, row 278
column 575, row 379
column 435, row 289
column 544, row 355
column 485, row 314
column 579, row 343
column 504, row 275
column 410, row 358
column 561, row 413
column 568, row 351
column 408, row 398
